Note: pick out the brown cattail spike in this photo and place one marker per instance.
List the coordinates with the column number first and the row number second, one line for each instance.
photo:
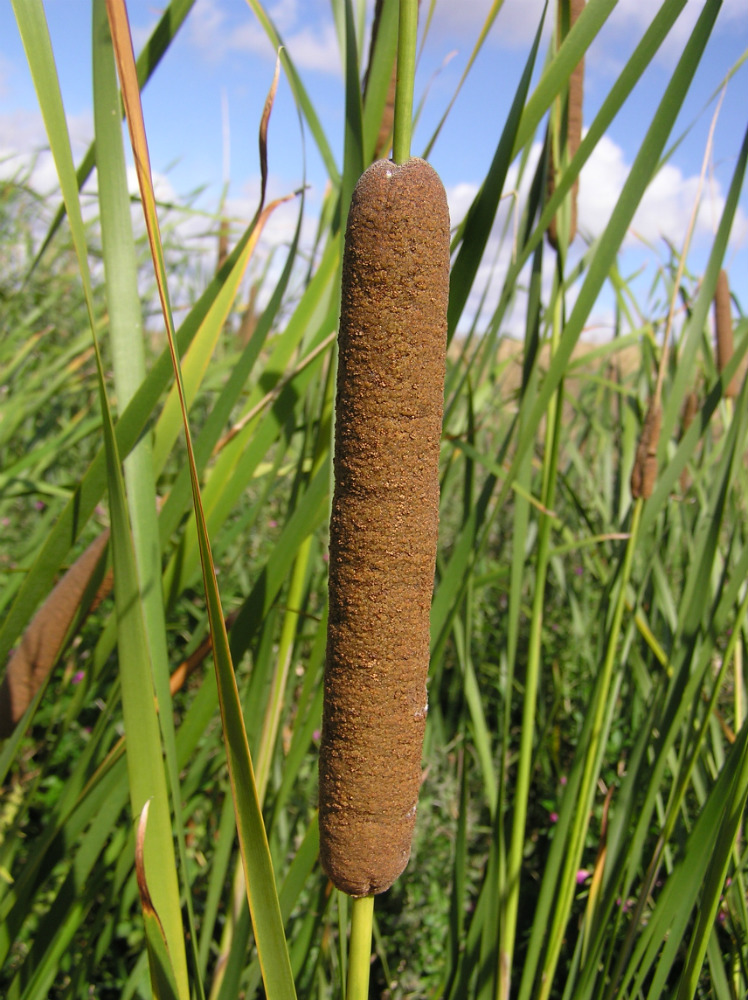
column 644, row 473
column 690, row 409
column 223, row 244
column 723, row 326
column 573, row 126
column 383, row 528
column 41, row 643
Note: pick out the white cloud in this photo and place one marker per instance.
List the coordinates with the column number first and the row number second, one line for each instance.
column 515, row 25
column 310, row 40
column 24, row 148
column 665, row 209
column 5, row 74
column 663, row 214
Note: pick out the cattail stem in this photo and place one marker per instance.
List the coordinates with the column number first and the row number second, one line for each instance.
column 406, row 74
column 359, row 951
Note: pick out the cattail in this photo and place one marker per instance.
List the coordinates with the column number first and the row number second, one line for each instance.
column 41, row 643
column 223, row 244
column 383, row 528
column 644, row 473
column 690, row 409
column 573, row 128
column 723, row 325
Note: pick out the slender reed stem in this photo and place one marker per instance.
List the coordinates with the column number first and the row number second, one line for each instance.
column 567, row 883
column 532, row 680
column 359, row 954
column 406, row 73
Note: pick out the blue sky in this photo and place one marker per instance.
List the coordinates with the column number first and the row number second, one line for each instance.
column 203, row 107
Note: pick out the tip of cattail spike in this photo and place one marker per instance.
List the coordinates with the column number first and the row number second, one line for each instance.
column 723, row 328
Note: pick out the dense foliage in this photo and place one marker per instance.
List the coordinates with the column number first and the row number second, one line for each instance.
column 579, row 831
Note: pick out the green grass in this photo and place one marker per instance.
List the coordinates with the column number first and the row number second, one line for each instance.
column 579, row 830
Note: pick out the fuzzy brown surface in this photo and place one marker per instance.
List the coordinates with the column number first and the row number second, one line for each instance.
column 383, row 527
column 573, row 132
column 644, row 473
column 723, row 325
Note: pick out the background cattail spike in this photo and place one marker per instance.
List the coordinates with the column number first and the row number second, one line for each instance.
column 644, row 473
column 573, row 134
column 723, row 327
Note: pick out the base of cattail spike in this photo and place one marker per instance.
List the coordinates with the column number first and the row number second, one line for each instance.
column 383, row 527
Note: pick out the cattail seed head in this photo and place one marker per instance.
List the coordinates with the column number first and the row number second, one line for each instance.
column 573, row 129
column 644, row 473
column 383, row 528
column 690, row 409
column 723, row 326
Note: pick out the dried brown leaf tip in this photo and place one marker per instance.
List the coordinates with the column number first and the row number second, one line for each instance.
column 644, row 473
column 383, row 529
column 572, row 133
column 723, row 327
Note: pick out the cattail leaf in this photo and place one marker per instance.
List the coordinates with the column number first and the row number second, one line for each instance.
column 68, row 525
column 379, row 95
column 196, row 361
column 491, row 16
column 299, row 91
column 150, row 56
column 479, row 220
column 235, row 466
column 260, row 880
column 129, row 362
column 670, row 916
column 263, row 136
column 163, row 979
column 353, row 145
column 146, row 773
column 690, row 339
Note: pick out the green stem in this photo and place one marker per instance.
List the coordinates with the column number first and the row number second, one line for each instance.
column 510, row 904
column 567, row 883
column 359, row 953
column 406, row 74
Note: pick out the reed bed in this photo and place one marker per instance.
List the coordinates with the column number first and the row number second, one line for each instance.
column 584, row 770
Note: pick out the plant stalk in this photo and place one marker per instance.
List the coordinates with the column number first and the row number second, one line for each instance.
column 406, row 74
column 359, row 953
